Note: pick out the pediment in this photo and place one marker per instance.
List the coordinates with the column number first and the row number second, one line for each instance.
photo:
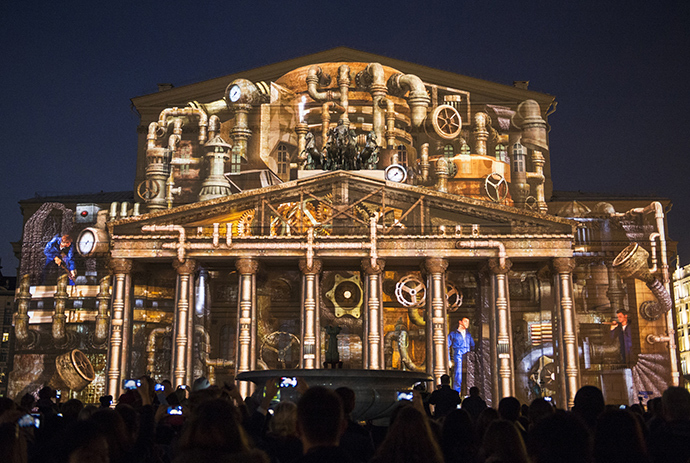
column 484, row 92
column 344, row 203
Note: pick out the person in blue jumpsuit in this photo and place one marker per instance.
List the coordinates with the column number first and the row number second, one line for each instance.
column 460, row 342
column 60, row 253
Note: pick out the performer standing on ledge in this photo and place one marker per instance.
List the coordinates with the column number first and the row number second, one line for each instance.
column 460, row 342
column 59, row 253
column 621, row 333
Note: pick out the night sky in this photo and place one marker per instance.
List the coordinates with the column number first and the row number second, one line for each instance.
column 619, row 71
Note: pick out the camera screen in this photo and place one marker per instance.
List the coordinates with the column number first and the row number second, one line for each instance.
column 158, row 387
column 175, row 410
column 405, row 395
column 28, row 421
column 288, row 381
column 131, row 383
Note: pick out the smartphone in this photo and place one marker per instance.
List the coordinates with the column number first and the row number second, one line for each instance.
column 183, row 386
column 58, row 394
column 548, row 399
column 159, row 387
column 288, row 381
column 405, row 395
column 131, row 383
column 623, row 407
column 175, row 410
column 28, row 421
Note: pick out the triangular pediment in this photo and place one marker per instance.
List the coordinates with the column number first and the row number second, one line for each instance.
column 484, row 92
column 349, row 200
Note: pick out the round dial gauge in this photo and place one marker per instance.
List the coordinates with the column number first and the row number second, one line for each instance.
column 235, row 93
column 86, row 242
column 396, row 173
column 92, row 241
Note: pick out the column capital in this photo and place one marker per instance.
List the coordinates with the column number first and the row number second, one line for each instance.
column 315, row 269
column 247, row 266
column 435, row 265
column 375, row 270
column 120, row 265
column 185, row 268
column 498, row 269
column 564, row 264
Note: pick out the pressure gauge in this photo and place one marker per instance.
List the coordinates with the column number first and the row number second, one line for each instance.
column 92, row 241
column 86, row 241
column 396, row 173
column 235, row 93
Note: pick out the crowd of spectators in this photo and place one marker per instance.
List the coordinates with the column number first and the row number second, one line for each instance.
column 215, row 424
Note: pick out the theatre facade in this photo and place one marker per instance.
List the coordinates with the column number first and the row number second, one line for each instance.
column 352, row 198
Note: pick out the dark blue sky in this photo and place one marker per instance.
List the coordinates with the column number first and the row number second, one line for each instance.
column 619, row 71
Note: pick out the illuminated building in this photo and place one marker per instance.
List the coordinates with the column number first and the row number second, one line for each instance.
column 681, row 293
column 352, row 190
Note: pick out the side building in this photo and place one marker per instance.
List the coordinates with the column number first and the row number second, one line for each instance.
column 349, row 206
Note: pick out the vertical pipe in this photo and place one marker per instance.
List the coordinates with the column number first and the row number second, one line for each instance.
column 436, row 268
column 181, row 335
column 101, row 332
column 565, row 266
column 120, row 268
column 247, row 269
column 374, row 333
column 503, row 331
column 310, row 330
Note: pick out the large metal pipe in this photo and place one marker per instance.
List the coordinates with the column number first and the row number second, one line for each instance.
column 474, row 244
column 317, row 78
column 183, row 112
column 418, row 100
column 151, row 346
column 372, row 78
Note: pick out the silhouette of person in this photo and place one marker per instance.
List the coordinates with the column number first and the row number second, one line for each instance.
column 460, row 342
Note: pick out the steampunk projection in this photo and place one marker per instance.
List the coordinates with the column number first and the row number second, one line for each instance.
column 349, row 190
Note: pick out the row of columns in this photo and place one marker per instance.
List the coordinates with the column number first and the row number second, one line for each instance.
column 119, row 345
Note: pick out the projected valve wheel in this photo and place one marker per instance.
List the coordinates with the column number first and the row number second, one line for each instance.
column 148, row 189
column 410, row 291
column 547, row 376
column 280, row 350
column 453, row 296
column 446, row 122
column 496, row 187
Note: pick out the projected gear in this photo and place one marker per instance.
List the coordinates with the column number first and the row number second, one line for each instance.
column 410, row 291
column 347, row 296
column 280, row 350
column 547, row 374
column 148, row 189
column 453, row 297
column 496, row 187
column 651, row 310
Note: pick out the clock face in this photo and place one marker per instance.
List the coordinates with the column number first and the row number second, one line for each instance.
column 396, row 173
column 235, row 93
column 87, row 240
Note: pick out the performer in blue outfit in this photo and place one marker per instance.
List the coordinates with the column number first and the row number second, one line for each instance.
column 460, row 342
column 59, row 252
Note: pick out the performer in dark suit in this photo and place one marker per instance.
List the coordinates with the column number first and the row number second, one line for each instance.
column 621, row 333
column 460, row 342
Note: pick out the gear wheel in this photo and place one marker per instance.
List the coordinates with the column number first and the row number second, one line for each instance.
column 410, row 291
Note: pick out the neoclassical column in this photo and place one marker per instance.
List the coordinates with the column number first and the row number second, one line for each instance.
column 310, row 320
column 506, row 381
column 181, row 368
column 564, row 267
column 374, row 321
column 247, row 269
column 436, row 270
column 121, row 269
